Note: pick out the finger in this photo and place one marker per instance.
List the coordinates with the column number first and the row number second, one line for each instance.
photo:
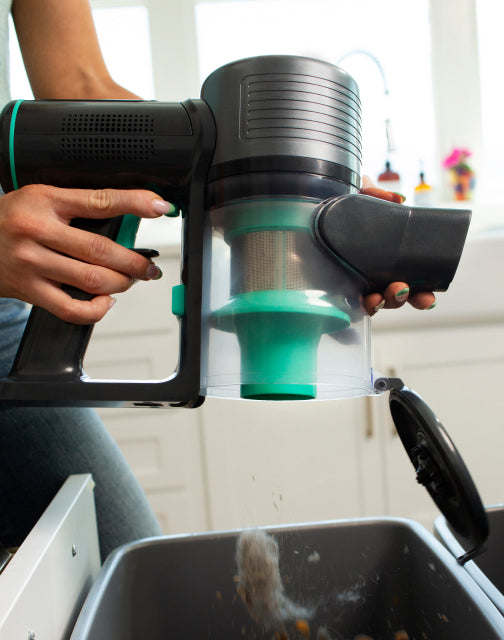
column 423, row 300
column 51, row 297
column 395, row 295
column 107, row 203
column 91, row 278
column 367, row 182
column 373, row 302
column 382, row 194
column 94, row 249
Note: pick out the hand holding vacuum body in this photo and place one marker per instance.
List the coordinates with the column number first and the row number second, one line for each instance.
column 278, row 246
column 39, row 249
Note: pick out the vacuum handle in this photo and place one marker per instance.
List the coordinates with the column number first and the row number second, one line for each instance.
column 164, row 147
column 47, row 339
column 385, row 242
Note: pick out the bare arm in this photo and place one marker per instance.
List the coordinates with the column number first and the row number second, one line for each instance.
column 61, row 52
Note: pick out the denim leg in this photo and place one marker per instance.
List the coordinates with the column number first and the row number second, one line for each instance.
column 40, row 448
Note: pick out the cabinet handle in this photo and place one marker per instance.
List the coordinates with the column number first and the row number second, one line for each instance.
column 369, row 418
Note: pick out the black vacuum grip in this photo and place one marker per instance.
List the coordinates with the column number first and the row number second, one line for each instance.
column 51, row 347
column 164, row 147
column 385, row 242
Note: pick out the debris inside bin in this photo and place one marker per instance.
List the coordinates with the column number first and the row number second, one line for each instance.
column 260, row 586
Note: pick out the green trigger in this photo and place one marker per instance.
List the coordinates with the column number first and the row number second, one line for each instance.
column 128, row 230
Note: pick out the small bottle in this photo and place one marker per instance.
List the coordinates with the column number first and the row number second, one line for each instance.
column 389, row 180
column 423, row 193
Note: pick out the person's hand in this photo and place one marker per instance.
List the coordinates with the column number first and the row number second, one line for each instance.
column 397, row 293
column 39, row 250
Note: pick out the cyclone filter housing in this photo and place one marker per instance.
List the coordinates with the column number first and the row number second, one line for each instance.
column 291, row 138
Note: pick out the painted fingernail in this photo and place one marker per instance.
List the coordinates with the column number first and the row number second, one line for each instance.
column 431, row 307
column 398, row 197
column 163, row 208
column 153, row 272
column 379, row 306
column 402, row 295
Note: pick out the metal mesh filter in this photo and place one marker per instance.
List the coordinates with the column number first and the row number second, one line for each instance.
column 268, row 260
column 288, row 260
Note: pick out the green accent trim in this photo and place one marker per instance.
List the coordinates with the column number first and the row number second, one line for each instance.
column 11, row 144
column 280, row 302
column 279, row 333
column 128, row 230
column 178, row 300
column 269, row 215
column 278, row 391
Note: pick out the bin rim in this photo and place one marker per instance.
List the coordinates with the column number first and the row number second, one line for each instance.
column 445, row 535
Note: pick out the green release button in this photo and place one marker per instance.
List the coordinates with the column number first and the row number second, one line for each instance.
column 178, row 300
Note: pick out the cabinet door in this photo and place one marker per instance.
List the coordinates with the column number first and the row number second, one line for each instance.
column 459, row 372
column 280, row 462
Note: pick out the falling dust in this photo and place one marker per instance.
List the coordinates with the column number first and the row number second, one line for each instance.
column 260, row 585
column 261, row 588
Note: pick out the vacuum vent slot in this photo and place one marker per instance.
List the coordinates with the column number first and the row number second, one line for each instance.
column 107, row 123
column 98, row 148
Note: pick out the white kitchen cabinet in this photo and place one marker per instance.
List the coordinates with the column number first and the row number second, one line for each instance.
column 458, row 372
column 280, row 462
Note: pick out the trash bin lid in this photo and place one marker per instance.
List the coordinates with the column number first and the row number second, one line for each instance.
column 438, row 465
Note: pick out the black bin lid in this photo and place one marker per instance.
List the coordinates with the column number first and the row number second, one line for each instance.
column 438, row 465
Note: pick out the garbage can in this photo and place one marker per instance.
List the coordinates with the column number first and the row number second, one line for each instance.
column 487, row 569
column 377, row 579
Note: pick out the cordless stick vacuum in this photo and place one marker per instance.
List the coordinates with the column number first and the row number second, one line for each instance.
column 278, row 248
column 278, row 245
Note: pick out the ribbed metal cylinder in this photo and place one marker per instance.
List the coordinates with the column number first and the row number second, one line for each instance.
column 285, row 113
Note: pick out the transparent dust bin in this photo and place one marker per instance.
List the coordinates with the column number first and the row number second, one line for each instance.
column 282, row 320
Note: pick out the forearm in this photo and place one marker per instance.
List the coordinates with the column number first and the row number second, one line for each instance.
column 61, row 52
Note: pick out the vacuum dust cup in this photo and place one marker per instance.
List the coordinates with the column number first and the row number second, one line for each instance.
column 281, row 318
column 282, row 321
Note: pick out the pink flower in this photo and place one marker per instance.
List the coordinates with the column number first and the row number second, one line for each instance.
column 456, row 158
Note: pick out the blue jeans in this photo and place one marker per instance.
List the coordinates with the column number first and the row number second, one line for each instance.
column 41, row 447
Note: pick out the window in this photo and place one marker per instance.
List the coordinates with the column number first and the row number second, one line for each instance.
column 125, row 41
column 490, row 15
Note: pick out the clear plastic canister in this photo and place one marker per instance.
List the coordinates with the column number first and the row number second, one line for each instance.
column 281, row 317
